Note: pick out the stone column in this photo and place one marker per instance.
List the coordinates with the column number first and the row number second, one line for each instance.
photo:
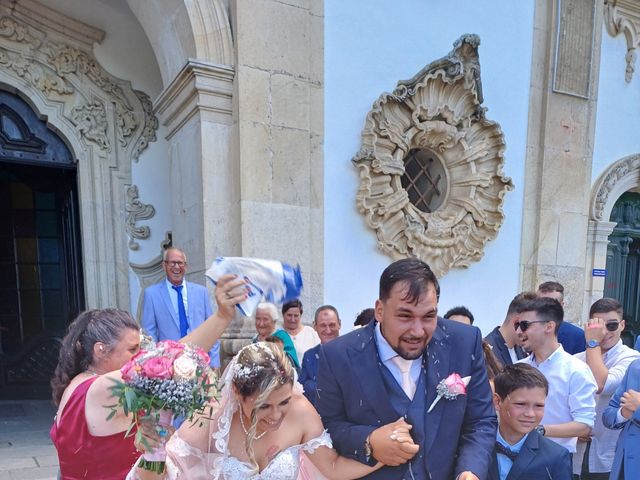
column 279, row 113
column 563, row 100
column 597, row 241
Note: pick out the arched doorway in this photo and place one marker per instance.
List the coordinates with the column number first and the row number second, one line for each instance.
column 41, row 283
column 623, row 261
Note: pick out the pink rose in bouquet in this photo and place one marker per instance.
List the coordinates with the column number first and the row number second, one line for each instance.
column 158, row 367
column 166, row 379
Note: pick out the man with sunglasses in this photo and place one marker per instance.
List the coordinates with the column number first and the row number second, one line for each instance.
column 174, row 307
column 608, row 358
column 570, row 409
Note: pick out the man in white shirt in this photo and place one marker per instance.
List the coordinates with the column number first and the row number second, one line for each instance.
column 608, row 360
column 570, row 409
column 304, row 337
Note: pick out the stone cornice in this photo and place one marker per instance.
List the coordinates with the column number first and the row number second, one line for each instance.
column 200, row 86
column 42, row 18
column 623, row 16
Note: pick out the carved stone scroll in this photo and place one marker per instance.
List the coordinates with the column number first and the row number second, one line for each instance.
column 623, row 17
column 438, row 110
column 136, row 210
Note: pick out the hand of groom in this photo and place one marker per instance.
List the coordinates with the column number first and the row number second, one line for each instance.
column 387, row 449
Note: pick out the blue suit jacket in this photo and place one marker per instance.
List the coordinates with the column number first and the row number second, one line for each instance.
column 539, row 459
column 161, row 321
column 352, row 400
column 628, row 446
column 500, row 349
column 572, row 338
column 309, row 373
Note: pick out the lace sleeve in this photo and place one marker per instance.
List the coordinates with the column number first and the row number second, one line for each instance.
column 324, row 440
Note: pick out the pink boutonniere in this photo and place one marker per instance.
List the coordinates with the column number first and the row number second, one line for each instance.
column 450, row 388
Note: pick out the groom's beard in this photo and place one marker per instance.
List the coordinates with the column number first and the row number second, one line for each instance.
column 413, row 353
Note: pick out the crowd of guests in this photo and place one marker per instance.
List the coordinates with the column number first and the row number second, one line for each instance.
column 567, row 397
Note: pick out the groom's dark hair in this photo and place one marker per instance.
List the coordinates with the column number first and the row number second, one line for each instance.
column 416, row 273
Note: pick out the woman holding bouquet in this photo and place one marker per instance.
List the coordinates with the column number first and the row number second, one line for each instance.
column 259, row 431
column 97, row 344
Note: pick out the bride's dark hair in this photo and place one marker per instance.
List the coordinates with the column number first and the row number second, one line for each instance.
column 76, row 354
column 261, row 368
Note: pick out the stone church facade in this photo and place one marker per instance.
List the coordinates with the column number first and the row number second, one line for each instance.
column 201, row 123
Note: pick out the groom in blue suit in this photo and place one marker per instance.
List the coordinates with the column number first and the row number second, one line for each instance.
column 393, row 369
column 174, row 307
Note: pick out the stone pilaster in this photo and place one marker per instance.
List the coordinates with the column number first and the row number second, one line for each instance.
column 563, row 101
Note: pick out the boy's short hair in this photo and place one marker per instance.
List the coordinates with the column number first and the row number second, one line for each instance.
column 519, row 375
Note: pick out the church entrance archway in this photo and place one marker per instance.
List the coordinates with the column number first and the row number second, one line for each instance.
column 623, row 262
column 41, row 282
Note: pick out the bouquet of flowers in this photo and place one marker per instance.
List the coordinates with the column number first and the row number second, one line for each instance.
column 162, row 381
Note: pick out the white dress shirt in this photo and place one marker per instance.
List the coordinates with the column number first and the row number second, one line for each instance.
column 603, row 441
column 387, row 353
column 572, row 389
column 303, row 341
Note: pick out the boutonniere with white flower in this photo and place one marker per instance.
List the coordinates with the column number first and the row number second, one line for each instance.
column 450, row 388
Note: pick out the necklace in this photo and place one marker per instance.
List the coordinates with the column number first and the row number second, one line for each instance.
column 257, row 437
column 88, row 370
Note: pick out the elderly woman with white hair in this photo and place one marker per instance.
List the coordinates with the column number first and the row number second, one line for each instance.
column 266, row 317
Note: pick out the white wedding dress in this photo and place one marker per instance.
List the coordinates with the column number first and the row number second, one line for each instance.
column 187, row 462
column 205, row 456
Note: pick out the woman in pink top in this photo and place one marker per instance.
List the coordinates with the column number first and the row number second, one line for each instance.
column 96, row 345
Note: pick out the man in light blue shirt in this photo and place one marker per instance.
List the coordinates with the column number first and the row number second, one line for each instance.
column 521, row 452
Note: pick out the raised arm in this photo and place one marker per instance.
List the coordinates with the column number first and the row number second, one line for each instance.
column 230, row 291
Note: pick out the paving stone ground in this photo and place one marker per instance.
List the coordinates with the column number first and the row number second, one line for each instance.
column 26, row 451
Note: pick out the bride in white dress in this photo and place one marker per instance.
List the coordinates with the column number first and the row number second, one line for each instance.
column 261, row 427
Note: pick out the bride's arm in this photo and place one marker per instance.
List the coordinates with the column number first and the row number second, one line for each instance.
column 326, row 459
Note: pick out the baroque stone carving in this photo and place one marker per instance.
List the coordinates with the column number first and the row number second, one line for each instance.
column 52, row 66
column 439, row 109
column 150, row 125
column 136, row 210
column 91, row 122
column 610, row 183
column 623, row 16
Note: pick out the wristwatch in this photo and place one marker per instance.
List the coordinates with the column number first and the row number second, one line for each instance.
column 541, row 430
column 593, row 343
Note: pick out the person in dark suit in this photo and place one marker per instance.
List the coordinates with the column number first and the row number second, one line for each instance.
column 174, row 307
column 326, row 323
column 504, row 339
column 521, row 453
column 624, row 412
column 570, row 336
column 392, row 369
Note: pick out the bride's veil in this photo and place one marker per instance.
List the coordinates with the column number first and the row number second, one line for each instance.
column 198, row 450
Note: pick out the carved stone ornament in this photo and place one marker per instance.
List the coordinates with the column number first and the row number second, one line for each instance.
column 438, row 111
column 54, row 67
column 136, row 210
column 620, row 177
column 623, row 16
column 91, row 122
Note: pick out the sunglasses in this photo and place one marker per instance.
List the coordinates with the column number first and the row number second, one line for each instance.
column 525, row 324
column 612, row 326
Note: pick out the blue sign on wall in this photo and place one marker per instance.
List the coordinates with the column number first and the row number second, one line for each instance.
column 599, row 272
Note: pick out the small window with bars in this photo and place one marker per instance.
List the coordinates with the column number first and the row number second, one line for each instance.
column 424, row 179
